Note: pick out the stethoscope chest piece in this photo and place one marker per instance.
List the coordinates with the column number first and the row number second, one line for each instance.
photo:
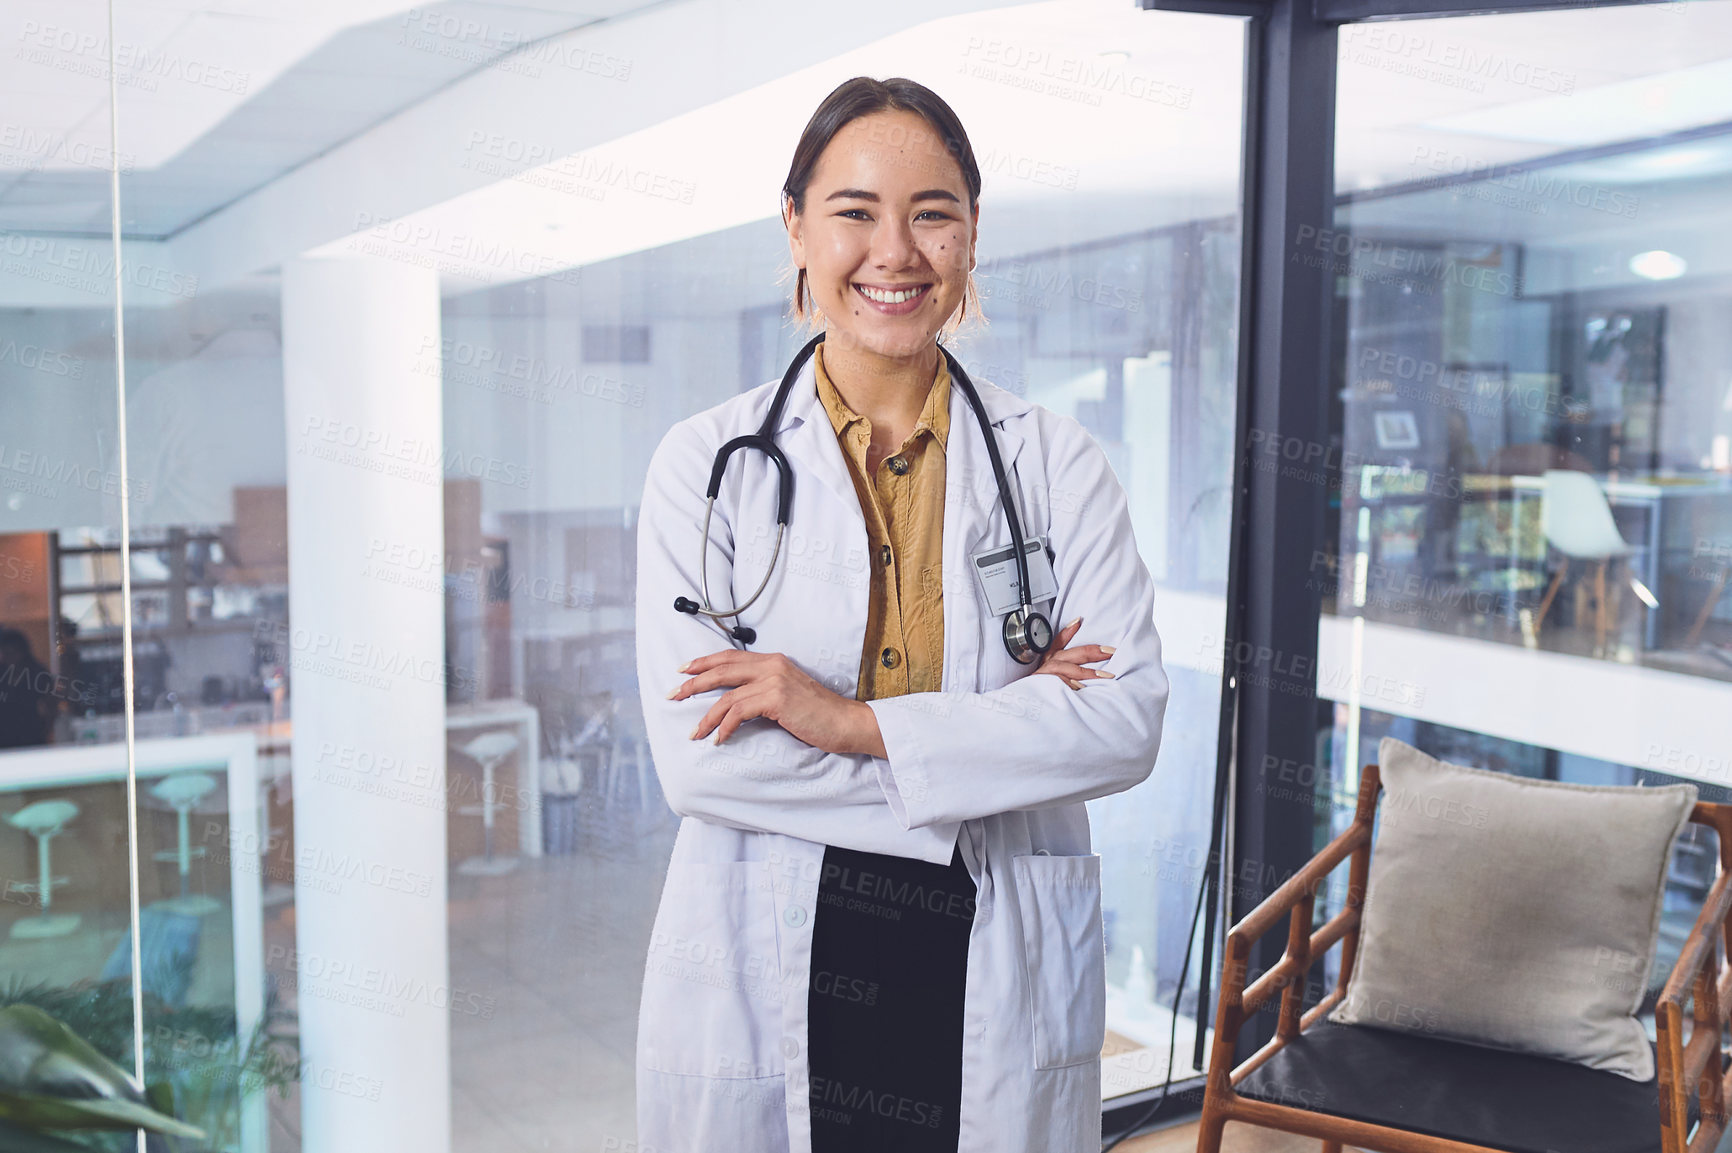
column 1027, row 636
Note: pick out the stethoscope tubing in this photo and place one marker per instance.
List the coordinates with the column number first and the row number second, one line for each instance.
column 764, row 441
column 704, row 567
column 1024, row 585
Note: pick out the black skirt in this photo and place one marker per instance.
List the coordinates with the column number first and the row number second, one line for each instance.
column 884, row 1023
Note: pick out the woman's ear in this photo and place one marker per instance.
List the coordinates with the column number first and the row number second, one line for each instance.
column 796, row 238
column 974, row 238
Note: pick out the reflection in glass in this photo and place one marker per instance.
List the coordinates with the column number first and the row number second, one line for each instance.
column 1530, row 479
column 1517, row 303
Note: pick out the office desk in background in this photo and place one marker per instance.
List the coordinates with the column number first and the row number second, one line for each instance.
column 1680, row 521
column 462, row 723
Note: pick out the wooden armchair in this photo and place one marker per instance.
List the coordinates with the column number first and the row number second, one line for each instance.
column 1400, row 1092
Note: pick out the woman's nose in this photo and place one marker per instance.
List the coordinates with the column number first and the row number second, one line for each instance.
column 893, row 244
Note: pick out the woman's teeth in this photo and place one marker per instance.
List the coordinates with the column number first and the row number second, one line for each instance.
column 883, row 297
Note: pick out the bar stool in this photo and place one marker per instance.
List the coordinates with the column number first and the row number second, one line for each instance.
column 182, row 792
column 44, row 820
column 490, row 750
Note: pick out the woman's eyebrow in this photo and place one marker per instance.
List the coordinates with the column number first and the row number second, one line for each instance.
column 862, row 194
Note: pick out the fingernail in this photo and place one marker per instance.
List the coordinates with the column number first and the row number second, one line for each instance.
column 1109, row 650
column 1103, row 673
column 685, row 666
column 1073, row 682
column 674, row 692
column 694, row 735
column 1073, row 624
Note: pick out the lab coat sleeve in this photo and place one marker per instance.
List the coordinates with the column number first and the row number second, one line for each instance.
column 762, row 778
column 1036, row 742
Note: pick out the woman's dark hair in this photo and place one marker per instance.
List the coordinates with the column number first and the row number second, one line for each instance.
column 863, row 96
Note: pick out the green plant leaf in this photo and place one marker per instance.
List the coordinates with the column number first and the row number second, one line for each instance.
column 40, row 1055
column 16, row 1140
column 160, row 1097
column 51, row 1078
column 193, row 1048
column 94, row 1113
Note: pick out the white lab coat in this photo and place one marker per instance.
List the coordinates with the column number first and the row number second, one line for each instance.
column 998, row 763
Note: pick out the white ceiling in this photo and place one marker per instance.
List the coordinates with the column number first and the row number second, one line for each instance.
column 219, row 99
column 1482, row 90
column 251, row 131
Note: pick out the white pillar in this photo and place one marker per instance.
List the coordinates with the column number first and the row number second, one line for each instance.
column 366, row 645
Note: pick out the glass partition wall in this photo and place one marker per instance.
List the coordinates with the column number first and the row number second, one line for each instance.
column 1531, row 487
column 67, row 893
column 409, row 297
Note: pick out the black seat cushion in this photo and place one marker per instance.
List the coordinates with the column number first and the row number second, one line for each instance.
column 1513, row 1101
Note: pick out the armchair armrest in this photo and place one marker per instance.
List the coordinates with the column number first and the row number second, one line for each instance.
column 1701, row 978
column 1295, row 899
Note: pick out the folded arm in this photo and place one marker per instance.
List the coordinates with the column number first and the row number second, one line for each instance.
column 762, row 777
column 1036, row 742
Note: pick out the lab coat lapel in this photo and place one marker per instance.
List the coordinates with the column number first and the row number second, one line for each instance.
column 809, row 441
column 965, row 460
column 971, row 512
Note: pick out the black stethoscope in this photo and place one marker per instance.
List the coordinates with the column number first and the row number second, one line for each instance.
column 1027, row 634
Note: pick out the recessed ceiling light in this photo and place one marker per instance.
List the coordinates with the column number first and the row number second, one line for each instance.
column 1658, row 264
column 1673, row 159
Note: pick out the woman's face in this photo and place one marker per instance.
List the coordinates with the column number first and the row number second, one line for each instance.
column 886, row 238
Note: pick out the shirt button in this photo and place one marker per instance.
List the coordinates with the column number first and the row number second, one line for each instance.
column 790, row 1048
column 889, row 658
column 886, row 553
column 794, row 915
column 898, row 465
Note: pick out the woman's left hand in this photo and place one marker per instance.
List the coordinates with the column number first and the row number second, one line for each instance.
column 772, row 686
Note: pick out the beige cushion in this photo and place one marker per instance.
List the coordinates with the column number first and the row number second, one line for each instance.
column 1513, row 913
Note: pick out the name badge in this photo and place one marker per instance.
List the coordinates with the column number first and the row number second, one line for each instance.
column 996, row 570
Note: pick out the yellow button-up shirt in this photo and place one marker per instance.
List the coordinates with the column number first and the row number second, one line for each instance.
column 904, row 508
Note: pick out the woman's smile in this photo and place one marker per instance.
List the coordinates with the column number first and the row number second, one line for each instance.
column 893, row 300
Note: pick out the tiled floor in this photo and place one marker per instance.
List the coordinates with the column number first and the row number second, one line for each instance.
column 557, row 948
column 560, row 943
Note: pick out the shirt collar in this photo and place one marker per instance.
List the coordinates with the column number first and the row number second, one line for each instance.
column 934, row 416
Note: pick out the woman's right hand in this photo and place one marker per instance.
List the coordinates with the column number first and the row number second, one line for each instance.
column 1069, row 663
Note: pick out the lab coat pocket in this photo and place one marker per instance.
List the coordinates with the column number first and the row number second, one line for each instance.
column 1064, row 955
column 712, row 995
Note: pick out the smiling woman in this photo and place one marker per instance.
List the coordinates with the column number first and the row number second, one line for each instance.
column 843, row 840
